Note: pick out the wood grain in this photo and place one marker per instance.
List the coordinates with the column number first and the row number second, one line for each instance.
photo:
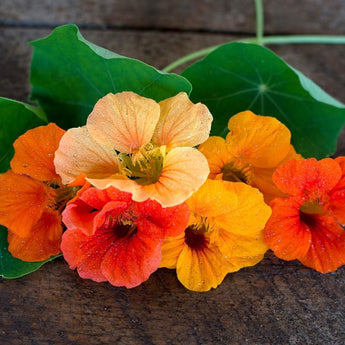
column 235, row 16
column 274, row 302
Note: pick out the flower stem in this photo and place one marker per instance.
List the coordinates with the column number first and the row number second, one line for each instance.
column 288, row 39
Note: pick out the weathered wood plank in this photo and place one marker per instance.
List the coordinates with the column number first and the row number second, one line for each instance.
column 272, row 303
column 236, row 16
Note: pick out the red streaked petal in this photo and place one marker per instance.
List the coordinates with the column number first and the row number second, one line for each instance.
column 337, row 195
column 327, row 249
column 308, row 176
column 79, row 214
column 131, row 260
column 182, row 123
column 86, row 252
column 173, row 220
column 78, row 153
column 285, row 234
column 123, row 121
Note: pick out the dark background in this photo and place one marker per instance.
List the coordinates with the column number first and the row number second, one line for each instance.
column 274, row 302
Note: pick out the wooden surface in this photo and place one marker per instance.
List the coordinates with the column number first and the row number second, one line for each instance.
column 274, row 302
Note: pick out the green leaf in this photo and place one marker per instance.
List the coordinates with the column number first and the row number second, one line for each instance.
column 239, row 76
column 15, row 119
column 69, row 74
column 11, row 267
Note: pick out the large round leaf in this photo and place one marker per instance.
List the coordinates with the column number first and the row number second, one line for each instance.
column 69, row 74
column 239, row 76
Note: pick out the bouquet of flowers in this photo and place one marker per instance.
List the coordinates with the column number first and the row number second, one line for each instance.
column 123, row 169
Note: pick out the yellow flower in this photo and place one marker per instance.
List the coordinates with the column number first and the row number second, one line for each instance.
column 253, row 149
column 139, row 146
column 224, row 234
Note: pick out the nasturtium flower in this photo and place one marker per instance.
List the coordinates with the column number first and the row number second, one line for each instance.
column 32, row 196
column 308, row 224
column 110, row 237
column 224, row 234
column 251, row 152
column 139, row 146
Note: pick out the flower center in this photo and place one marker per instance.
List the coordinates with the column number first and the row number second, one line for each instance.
column 308, row 211
column 119, row 227
column 61, row 195
column 234, row 174
column 311, row 207
column 195, row 237
column 125, row 229
column 145, row 166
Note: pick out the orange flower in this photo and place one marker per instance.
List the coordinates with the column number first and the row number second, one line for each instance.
column 224, row 234
column 251, row 152
column 308, row 224
column 112, row 238
column 31, row 196
column 139, row 146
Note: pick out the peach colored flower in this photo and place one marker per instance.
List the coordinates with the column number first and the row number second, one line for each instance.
column 251, row 152
column 139, row 146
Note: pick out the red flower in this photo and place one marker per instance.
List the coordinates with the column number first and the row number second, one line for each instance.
column 112, row 238
column 308, row 224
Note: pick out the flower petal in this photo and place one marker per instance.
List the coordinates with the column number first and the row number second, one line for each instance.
column 79, row 153
column 337, row 195
column 307, row 176
column 92, row 207
column 201, row 270
column 182, row 123
column 34, row 152
column 327, row 249
column 213, row 199
column 261, row 178
column 250, row 214
column 22, row 202
column 124, row 121
column 43, row 241
column 260, row 141
column 131, row 260
column 216, row 153
column 86, row 252
column 171, row 250
column 241, row 246
column 285, row 234
column 178, row 216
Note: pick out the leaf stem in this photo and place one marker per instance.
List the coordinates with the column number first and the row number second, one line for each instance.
column 259, row 21
column 288, row 39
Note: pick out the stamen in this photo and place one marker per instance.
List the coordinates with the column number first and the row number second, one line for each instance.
column 234, row 174
column 144, row 166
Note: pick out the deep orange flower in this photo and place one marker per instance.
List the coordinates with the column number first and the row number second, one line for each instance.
column 112, row 238
column 139, row 146
column 251, row 152
column 308, row 224
column 31, row 196
column 224, row 234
